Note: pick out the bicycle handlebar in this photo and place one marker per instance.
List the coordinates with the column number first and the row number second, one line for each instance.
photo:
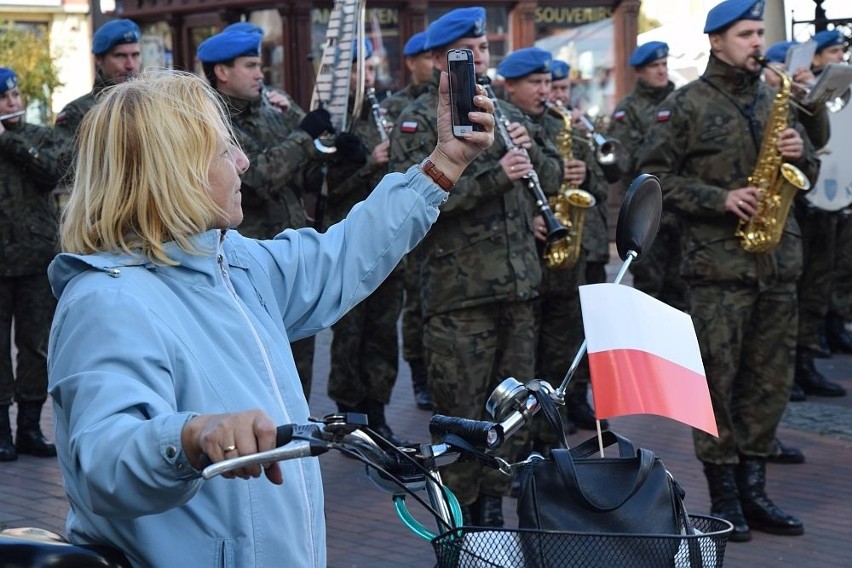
column 478, row 433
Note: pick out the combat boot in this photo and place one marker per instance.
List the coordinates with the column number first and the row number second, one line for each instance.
column 839, row 340
column 421, row 385
column 580, row 412
column 759, row 510
column 781, row 453
column 378, row 424
column 810, row 379
column 7, row 448
column 724, row 501
column 29, row 439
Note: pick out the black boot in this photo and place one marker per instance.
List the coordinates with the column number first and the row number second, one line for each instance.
column 824, row 352
column 29, row 439
column 797, row 394
column 7, row 448
column 421, row 386
column 376, row 418
column 839, row 340
column 810, row 379
column 579, row 410
column 491, row 511
column 724, row 502
column 759, row 510
column 785, row 454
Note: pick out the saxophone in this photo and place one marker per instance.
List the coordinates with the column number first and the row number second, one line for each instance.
column 569, row 204
column 777, row 182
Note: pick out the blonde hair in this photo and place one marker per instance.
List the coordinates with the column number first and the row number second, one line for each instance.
column 144, row 151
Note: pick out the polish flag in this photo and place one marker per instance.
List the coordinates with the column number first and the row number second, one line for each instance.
column 644, row 357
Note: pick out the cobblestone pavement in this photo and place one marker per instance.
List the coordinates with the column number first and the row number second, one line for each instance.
column 363, row 530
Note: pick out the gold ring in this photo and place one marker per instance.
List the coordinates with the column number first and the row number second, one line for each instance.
column 229, row 449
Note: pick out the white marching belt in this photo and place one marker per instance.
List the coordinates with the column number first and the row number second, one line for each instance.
column 833, row 189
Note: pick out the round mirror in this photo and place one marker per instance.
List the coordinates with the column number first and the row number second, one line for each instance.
column 639, row 217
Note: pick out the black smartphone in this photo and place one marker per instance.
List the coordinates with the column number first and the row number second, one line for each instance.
column 462, row 90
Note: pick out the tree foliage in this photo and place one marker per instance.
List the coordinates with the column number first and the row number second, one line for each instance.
column 27, row 52
column 646, row 23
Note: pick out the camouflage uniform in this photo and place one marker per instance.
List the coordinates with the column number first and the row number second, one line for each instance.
column 743, row 304
column 658, row 272
column 281, row 168
column 364, row 350
column 560, row 324
column 412, row 317
column 28, row 220
column 480, row 274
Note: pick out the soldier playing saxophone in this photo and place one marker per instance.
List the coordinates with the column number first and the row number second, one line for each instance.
column 703, row 146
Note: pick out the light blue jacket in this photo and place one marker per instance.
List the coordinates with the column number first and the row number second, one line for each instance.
column 136, row 350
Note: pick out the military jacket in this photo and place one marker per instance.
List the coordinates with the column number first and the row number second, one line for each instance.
column 352, row 181
column 701, row 147
column 482, row 250
column 632, row 118
column 28, row 219
column 282, row 166
column 396, row 103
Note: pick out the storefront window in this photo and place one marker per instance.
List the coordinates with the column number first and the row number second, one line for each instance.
column 582, row 36
column 156, row 46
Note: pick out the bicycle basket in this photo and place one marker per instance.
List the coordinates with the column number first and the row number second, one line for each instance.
column 477, row 547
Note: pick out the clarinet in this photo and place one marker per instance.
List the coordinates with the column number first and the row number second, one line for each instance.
column 378, row 117
column 555, row 230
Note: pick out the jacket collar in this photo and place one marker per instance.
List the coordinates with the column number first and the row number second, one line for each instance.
column 654, row 94
column 731, row 79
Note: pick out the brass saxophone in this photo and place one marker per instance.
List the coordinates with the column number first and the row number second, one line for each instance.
column 569, row 204
column 777, row 182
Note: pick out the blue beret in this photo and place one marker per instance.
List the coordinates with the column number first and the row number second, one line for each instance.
column 244, row 27
column 8, row 79
column 648, row 52
column 730, row 11
column 227, row 46
column 777, row 52
column 456, row 24
column 828, row 38
column 523, row 62
column 368, row 49
column 559, row 70
column 416, row 44
column 114, row 33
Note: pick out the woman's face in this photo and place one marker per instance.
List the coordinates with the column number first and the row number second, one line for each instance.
column 224, row 177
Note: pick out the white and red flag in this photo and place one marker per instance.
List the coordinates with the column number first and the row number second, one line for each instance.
column 644, row 357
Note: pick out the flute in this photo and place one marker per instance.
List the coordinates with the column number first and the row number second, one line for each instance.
column 12, row 114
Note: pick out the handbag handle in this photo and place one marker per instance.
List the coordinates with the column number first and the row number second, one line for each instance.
column 551, row 414
column 565, row 463
column 608, row 438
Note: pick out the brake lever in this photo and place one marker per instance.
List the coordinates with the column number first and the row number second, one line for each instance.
column 294, row 450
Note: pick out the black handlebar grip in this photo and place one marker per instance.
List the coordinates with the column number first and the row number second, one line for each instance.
column 285, row 434
column 477, row 433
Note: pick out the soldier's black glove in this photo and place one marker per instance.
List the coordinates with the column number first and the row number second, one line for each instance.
column 350, row 149
column 316, row 122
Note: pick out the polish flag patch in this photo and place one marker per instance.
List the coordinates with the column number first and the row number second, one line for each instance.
column 409, row 127
column 619, row 116
column 663, row 115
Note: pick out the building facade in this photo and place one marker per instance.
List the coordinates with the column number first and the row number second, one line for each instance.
column 295, row 34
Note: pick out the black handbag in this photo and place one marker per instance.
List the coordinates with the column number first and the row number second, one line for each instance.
column 612, row 498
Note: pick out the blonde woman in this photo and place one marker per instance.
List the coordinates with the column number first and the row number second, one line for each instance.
column 171, row 337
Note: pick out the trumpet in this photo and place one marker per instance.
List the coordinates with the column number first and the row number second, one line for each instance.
column 555, row 230
column 378, row 115
column 12, row 114
column 606, row 151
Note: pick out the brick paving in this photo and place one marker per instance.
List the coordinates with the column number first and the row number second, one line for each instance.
column 363, row 530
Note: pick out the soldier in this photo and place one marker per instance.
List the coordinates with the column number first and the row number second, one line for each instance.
column 831, row 49
column 479, row 271
column 819, row 230
column 560, row 86
column 28, row 221
column 117, row 59
column 527, row 73
column 364, row 351
column 418, row 59
column 658, row 273
column 282, row 158
column 743, row 303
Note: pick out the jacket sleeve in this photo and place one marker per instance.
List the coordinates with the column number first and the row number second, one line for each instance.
column 345, row 264
column 663, row 154
column 125, row 455
column 37, row 150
